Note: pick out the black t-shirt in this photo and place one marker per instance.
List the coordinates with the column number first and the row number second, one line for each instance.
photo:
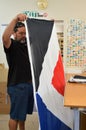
column 18, row 62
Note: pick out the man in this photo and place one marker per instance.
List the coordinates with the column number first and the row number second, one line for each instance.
column 19, row 84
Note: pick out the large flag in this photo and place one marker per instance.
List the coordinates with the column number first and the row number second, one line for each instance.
column 48, row 75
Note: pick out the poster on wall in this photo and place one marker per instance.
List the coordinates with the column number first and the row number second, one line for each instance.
column 76, row 44
column 35, row 14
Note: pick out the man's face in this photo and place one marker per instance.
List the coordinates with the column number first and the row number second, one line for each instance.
column 20, row 35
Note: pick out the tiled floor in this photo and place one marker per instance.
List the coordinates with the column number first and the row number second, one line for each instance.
column 31, row 122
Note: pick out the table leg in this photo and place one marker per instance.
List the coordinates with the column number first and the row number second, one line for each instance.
column 76, row 119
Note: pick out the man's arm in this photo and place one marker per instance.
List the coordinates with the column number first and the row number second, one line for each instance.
column 9, row 30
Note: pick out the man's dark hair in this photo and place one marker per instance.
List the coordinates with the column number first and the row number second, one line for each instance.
column 18, row 25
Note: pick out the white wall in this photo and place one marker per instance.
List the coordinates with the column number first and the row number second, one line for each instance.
column 57, row 9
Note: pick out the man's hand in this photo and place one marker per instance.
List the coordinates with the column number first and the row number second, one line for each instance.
column 21, row 17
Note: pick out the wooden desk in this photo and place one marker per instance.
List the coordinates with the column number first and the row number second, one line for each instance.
column 75, row 97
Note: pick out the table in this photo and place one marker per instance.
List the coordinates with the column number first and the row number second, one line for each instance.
column 75, row 97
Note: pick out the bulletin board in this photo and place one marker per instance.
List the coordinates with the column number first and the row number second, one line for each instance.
column 76, row 44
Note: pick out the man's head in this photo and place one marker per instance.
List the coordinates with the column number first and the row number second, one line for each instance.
column 20, row 32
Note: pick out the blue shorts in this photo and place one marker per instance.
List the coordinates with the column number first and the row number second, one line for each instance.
column 22, row 100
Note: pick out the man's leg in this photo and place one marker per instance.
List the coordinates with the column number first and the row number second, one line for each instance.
column 13, row 124
column 21, row 125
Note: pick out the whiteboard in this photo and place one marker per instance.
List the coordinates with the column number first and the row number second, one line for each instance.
column 3, row 26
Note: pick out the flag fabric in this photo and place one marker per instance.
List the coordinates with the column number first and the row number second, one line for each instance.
column 48, row 75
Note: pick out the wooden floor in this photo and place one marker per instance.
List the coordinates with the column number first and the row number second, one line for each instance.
column 31, row 122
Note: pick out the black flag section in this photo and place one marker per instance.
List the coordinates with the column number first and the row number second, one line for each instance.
column 39, row 36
